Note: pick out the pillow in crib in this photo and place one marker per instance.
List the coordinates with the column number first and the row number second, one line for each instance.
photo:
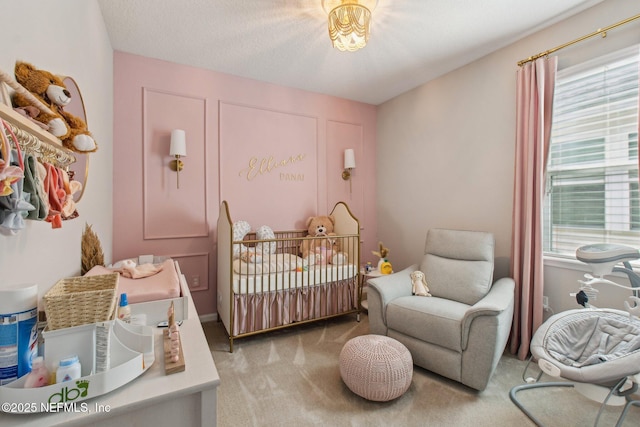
column 265, row 233
column 240, row 229
column 270, row 264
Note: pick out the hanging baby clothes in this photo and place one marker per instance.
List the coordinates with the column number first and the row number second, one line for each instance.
column 8, row 174
column 34, row 188
column 68, row 204
column 69, row 209
column 53, row 187
column 30, row 189
column 15, row 207
column 41, row 177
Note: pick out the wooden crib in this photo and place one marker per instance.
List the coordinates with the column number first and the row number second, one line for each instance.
column 283, row 289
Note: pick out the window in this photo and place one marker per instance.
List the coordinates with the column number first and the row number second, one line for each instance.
column 592, row 190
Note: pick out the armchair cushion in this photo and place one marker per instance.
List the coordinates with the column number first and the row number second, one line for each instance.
column 458, row 265
column 435, row 320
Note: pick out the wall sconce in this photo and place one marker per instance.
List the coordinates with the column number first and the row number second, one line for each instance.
column 349, row 164
column 178, row 149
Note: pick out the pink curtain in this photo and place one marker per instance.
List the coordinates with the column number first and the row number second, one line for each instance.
column 536, row 81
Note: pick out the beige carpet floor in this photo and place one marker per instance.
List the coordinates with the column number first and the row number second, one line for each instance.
column 291, row 378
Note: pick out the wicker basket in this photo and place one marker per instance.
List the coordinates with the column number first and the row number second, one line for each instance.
column 77, row 301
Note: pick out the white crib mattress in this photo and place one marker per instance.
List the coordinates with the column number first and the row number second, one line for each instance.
column 271, row 263
column 292, row 279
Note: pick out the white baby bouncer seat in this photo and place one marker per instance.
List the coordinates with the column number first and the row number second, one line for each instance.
column 596, row 350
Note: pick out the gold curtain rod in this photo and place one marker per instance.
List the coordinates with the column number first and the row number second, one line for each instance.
column 602, row 31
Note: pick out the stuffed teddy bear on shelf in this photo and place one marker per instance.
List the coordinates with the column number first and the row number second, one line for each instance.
column 325, row 250
column 51, row 91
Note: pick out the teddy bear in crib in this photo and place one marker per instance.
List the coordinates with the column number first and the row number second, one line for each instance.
column 419, row 284
column 324, row 248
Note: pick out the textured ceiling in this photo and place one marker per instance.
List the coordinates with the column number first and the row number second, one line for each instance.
column 286, row 41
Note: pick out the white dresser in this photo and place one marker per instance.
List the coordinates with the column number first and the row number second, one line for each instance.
column 186, row 398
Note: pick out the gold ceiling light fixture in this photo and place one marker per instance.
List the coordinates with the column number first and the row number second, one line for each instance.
column 349, row 22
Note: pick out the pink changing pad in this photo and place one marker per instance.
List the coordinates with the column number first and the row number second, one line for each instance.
column 162, row 285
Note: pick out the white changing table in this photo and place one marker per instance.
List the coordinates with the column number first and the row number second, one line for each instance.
column 186, row 398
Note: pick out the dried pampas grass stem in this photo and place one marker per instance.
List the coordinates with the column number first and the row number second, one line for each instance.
column 92, row 254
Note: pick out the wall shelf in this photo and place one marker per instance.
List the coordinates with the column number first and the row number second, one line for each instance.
column 37, row 141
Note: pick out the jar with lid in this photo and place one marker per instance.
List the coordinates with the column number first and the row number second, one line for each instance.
column 68, row 369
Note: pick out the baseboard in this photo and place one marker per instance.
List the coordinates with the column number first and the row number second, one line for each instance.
column 213, row 317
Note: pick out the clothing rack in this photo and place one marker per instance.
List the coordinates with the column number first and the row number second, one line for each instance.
column 36, row 141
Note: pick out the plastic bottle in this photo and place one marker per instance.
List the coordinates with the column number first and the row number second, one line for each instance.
column 69, row 369
column 124, row 311
column 39, row 375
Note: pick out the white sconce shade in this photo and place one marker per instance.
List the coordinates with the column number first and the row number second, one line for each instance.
column 178, row 143
column 349, row 159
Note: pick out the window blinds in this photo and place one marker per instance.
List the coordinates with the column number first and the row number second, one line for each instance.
column 592, row 171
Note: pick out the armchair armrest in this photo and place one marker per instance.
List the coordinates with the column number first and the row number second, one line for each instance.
column 393, row 285
column 383, row 290
column 499, row 298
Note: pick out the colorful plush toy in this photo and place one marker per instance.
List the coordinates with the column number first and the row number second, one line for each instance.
column 51, row 91
column 384, row 266
column 324, row 250
column 382, row 252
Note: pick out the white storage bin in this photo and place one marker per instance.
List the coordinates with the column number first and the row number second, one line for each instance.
column 62, row 343
column 127, row 362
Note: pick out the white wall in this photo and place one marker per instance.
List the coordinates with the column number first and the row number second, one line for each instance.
column 446, row 149
column 66, row 37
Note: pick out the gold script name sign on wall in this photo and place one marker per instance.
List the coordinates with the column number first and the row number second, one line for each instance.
column 266, row 165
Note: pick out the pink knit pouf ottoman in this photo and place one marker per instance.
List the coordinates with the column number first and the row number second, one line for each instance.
column 376, row 367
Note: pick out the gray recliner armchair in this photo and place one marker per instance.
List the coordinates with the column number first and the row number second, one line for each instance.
column 461, row 331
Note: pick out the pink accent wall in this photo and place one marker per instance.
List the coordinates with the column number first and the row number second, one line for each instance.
column 274, row 153
column 269, row 165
